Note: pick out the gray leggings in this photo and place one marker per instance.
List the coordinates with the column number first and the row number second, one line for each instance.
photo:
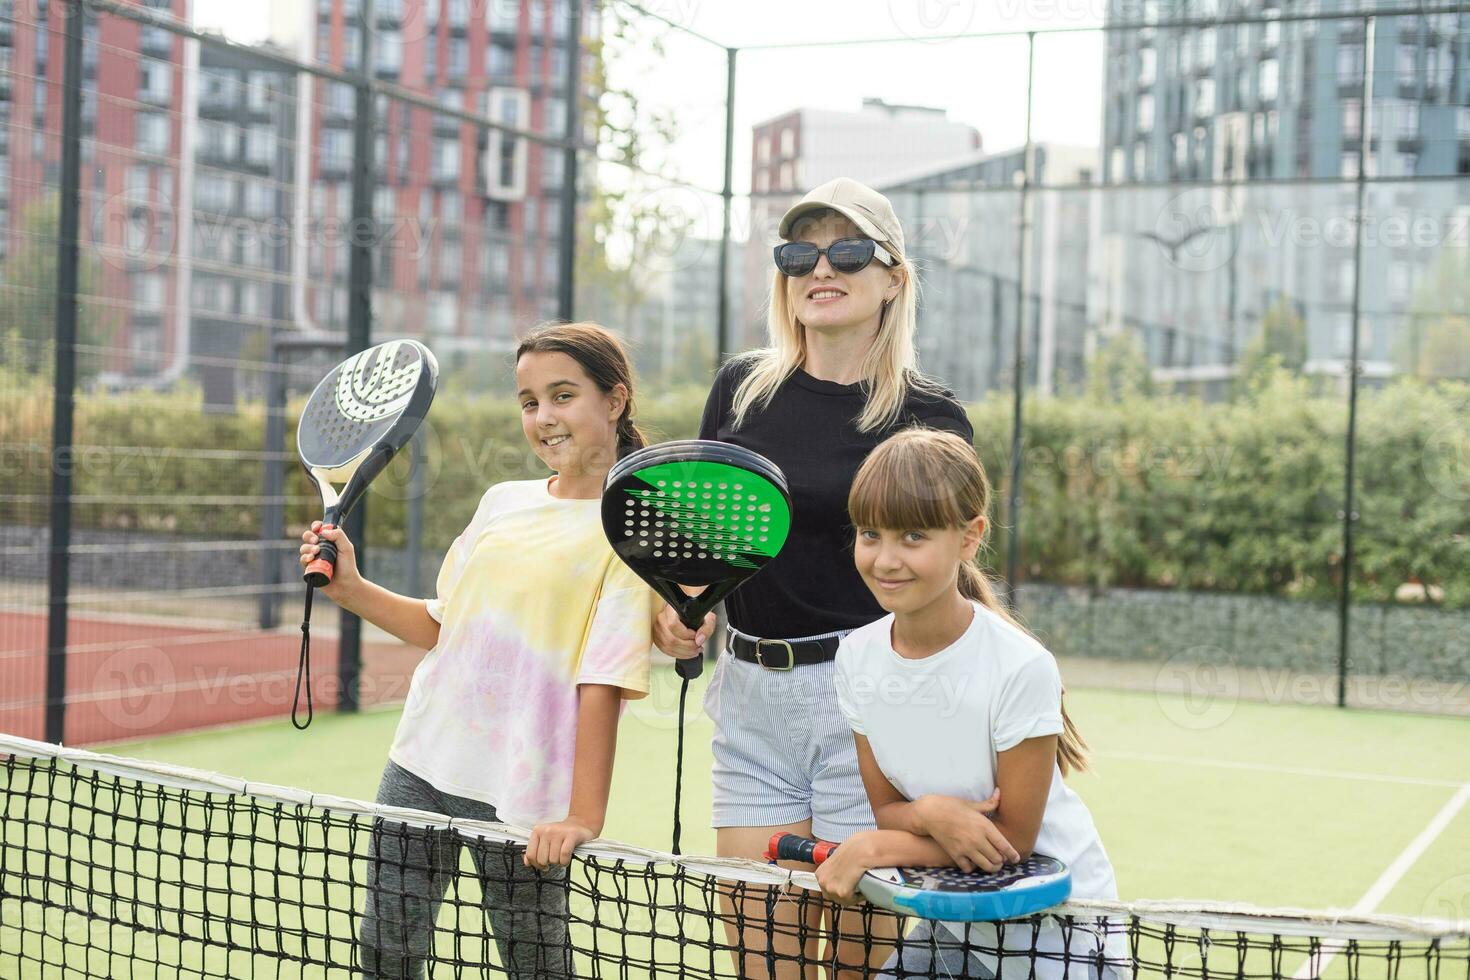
column 410, row 868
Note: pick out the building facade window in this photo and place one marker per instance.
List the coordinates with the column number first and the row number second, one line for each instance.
column 1400, row 281
column 502, row 61
column 1408, row 121
column 1408, row 63
column 152, row 133
column 389, row 54
column 1204, row 97
column 216, row 139
column 258, row 93
column 445, row 160
column 155, row 81
column 1268, row 79
column 260, row 145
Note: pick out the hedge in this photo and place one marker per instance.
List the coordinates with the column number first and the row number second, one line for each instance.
column 1242, row 496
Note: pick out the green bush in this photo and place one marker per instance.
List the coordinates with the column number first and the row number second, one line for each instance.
column 1241, row 496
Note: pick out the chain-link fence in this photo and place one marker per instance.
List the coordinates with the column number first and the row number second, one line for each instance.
column 1200, row 277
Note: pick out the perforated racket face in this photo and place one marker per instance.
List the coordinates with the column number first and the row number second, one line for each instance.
column 1036, row 871
column 948, row 893
column 699, row 521
column 357, row 403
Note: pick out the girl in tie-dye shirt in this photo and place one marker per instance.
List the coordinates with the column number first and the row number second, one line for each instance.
column 536, row 636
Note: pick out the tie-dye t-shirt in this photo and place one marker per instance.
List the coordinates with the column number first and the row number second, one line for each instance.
column 532, row 602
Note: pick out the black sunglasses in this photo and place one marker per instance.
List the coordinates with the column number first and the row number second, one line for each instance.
column 846, row 255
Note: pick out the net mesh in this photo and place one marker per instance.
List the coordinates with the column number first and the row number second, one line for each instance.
column 113, row 867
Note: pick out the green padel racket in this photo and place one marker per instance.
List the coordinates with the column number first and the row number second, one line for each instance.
column 695, row 512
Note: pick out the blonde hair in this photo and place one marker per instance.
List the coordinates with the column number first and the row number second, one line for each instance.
column 889, row 371
column 921, row 479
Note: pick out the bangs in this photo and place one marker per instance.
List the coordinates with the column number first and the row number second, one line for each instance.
column 901, row 487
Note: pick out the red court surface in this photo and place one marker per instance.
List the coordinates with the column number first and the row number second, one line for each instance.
column 132, row 677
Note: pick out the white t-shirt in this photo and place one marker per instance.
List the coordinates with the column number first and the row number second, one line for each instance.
column 936, row 725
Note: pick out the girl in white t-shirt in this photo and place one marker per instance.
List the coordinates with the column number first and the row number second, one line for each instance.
column 962, row 739
column 537, row 634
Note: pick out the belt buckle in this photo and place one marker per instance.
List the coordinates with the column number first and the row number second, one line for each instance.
column 790, row 655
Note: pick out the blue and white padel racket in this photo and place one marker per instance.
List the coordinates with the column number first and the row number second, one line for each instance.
column 1013, row 892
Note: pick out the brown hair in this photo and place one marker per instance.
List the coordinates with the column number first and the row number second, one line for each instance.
column 603, row 356
column 923, row 478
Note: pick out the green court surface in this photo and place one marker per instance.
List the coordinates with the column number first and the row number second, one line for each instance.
column 1275, row 805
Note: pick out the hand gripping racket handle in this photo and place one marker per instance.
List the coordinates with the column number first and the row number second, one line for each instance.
column 319, row 571
column 690, row 668
column 793, row 847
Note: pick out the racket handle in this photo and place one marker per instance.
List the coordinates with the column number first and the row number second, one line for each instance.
column 690, row 667
column 319, row 571
column 794, row 847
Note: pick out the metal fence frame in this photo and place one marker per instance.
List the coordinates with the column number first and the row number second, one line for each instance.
column 360, row 277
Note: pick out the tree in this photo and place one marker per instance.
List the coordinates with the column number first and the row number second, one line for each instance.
column 1281, row 344
column 1118, row 369
column 28, row 298
column 632, row 221
column 1435, row 341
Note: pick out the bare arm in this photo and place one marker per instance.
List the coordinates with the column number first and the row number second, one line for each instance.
column 597, row 740
column 891, row 809
column 900, row 849
column 1023, row 777
column 839, row 875
column 965, row 830
column 405, row 617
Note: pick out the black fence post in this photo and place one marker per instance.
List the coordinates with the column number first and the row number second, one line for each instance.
column 727, row 194
column 64, row 399
column 273, row 482
column 359, row 323
column 566, row 297
column 1349, row 497
column 1013, row 513
column 273, row 470
column 414, row 545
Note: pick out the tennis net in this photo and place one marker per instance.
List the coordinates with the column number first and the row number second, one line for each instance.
column 115, row 867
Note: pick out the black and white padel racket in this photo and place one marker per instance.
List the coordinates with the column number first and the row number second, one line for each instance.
column 1013, row 892
column 698, row 513
column 356, row 420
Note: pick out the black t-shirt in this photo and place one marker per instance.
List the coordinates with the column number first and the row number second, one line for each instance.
column 810, row 430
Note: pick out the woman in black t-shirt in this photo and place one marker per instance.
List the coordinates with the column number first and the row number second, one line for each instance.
column 839, row 376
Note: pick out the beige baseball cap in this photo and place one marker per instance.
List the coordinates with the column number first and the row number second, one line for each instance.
column 859, row 203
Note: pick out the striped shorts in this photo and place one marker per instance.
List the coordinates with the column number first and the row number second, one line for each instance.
column 783, row 751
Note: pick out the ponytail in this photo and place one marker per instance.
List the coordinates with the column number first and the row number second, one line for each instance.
column 630, row 437
column 975, row 584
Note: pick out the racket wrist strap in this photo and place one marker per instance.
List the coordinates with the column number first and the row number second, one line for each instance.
column 303, row 667
column 679, row 763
